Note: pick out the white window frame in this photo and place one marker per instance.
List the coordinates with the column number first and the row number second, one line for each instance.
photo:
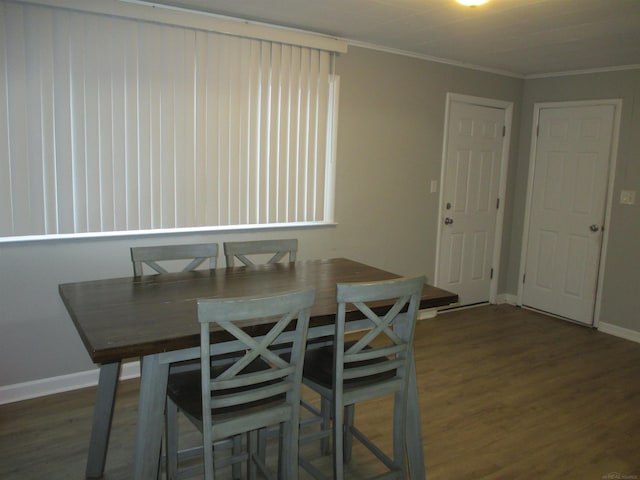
column 48, row 165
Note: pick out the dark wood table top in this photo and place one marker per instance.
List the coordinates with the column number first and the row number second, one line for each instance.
column 135, row 316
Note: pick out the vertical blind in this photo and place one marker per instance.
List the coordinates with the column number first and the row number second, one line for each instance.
column 112, row 124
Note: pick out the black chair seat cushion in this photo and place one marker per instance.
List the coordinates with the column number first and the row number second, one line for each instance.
column 318, row 367
column 185, row 390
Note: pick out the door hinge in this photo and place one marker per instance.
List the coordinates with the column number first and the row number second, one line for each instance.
column 498, row 204
column 504, row 130
column 538, row 130
column 491, row 274
column 524, row 278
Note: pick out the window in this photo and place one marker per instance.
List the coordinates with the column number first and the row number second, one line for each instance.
column 112, row 124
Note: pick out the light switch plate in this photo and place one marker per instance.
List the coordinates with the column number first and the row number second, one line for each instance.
column 628, row 197
column 434, row 186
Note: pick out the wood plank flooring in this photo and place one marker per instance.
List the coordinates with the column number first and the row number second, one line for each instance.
column 505, row 393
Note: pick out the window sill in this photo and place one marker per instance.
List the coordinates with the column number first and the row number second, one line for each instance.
column 165, row 231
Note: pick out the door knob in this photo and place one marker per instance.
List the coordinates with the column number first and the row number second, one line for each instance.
column 448, row 221
column 594, row 228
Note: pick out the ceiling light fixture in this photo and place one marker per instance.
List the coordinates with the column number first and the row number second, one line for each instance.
column 472, row 3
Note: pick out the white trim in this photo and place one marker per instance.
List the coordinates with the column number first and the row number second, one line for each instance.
column 621, row 332
column 332, row 155
column 481, row 68
column 582, row 72
column 165, row 231
column 617, row 104
column 506, row 298
column 427, row 313
column 62, row 383
column 199, row 20
column 507, row 107
column 430, row 58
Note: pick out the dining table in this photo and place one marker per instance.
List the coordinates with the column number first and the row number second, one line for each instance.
column 154, row 318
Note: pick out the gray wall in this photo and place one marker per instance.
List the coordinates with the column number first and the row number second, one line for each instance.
column 621, row 288
column 389, row 149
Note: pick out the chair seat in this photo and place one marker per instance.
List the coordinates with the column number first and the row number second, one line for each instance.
column 185, row 389
column 318, row 367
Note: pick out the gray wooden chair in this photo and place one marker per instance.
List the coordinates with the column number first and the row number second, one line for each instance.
column 375, row 363
column 150, row 256
column 271, row 250
column 173, row 258
column 251, row 392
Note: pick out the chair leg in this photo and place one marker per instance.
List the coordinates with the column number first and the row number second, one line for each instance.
column 236, row 449
column 209, row 468
column 171, row 435
column 252, row 449
column 349, row 417
column 290, row 447
column 399, row 429
column 325, row 410
column 283, row 447
column 263, row 436
column 338, row 436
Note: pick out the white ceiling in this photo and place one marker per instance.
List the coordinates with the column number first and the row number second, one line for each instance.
column 518, row 37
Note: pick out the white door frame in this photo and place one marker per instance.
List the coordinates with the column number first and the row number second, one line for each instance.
column 504, row 162
column 617, row 104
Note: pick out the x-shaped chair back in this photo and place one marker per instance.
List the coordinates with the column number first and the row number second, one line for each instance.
column 242, row 383
column 276, row 249
column 383, row 349
column 196, row 253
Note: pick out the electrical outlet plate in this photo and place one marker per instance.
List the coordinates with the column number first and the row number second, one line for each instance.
column 628, row 197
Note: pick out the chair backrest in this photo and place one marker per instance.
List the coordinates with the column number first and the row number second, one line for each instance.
column 278, row 249
column 150, row 256
column 241, row 384
column 383, row 347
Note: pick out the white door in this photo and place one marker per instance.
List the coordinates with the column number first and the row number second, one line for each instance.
column 567, row 209
column 469, row 201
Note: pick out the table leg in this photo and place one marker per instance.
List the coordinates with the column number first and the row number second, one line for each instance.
column 102, row 416
column 153, row 390
column 415, row 452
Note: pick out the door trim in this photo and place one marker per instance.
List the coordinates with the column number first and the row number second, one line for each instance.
column 507, row 107
column 617, row 104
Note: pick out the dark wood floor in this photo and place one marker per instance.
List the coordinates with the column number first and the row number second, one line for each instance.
column 506, row 393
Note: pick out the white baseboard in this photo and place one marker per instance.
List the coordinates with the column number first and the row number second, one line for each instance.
column 427, row 313
column 62, row 383
column 621, row 332
column 506, row 298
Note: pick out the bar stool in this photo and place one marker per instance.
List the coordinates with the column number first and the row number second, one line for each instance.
column 376, row 364
column 246, row 394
